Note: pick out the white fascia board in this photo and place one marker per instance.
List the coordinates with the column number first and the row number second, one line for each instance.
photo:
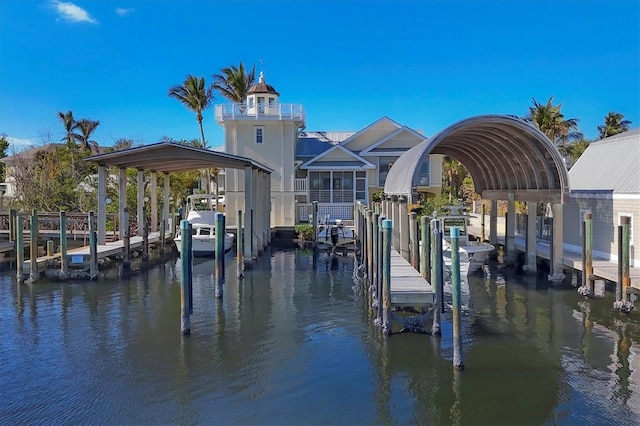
column 417, row 135
column 366, row 129
column 602, row 195
column 355, row 156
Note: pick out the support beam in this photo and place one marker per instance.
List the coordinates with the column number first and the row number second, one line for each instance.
column 256, row 215
column 510, row 231
column 122, row 201
column 248, row 211
column 404, row 228
column 140, row 192
column 154, row 201
column 102, row 204
column 493, row 223
column 531, row 237
column 165, row 199
column 557, row 267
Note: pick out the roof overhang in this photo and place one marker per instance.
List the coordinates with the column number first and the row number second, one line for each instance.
column 170, row 157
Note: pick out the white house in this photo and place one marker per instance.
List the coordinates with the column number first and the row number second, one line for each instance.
column 333, row 168
column 605, row 181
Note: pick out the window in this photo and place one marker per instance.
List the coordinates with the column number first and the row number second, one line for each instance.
column 251, row 102
column 384, row 165
column 272, row 103
column 361, row 186
column 259, row 134
column 261, row 104
column 423, row 177
column 331, row 187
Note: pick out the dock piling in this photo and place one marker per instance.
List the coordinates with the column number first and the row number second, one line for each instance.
column 240, row 247
column 219, row 255
column 624, row 278
column 19, row 248
column 436, row 274
column 386, row 276
column 185, row 282
column 455, row 285
column 93, row 248
column 413, row 240
column 425, row 252
column 33, row 247
column 64, row 261
column 126, row 258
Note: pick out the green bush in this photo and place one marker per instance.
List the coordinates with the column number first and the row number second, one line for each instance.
column 304, row 231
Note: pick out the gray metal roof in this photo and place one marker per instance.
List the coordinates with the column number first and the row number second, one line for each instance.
column 310, row 144
column 504, row 155
column 612, row 163
column 173, row 157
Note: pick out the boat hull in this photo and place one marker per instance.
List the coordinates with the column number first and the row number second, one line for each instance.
column 472, row 257
column 205, row 246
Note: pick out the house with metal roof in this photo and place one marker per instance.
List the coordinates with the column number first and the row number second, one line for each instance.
column 334, row 168
column 605, row 181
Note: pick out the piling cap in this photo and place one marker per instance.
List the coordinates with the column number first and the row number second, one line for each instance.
column 387, row 224
column 455, row 232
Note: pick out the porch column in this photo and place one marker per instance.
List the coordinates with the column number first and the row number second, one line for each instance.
column 140, row 187
column 557, row 245
column 154, row 202
column 122, row 201
column 102, row 204
column 532, row 210
column 403, row 223
column 510, row 231
column 493, row 223
column 165, row 201
column 249, row 213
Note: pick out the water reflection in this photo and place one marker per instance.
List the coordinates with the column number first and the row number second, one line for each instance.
column 295, row 344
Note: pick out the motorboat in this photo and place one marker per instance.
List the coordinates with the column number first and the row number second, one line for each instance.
column 203, row 227
column 472, row 254
column 334, row 234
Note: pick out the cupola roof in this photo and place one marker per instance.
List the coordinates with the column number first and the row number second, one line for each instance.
column 262, row 87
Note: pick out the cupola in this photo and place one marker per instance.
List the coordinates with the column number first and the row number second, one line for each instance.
column 262, row 98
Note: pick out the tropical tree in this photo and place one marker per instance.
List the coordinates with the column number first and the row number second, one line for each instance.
column 197, row 97
column 453, row 174
column 550, row 120
column 69, row 124
column 613, row 124
column 233, row 82
column 573, row 150
column 87, row 127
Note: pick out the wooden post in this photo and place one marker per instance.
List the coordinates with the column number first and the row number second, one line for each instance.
column 12, row 225
column 425, row 252
column 64, row 261
column 387, row 227
column 185, row 269
column 50, row 248
column 126, row 258
column 145, row 236
column 369, row 248
column 219, row 254
column 19, row 235
column 240, row 246
column 413, row 240
column 623, row 260
column 436, row 274
column 163, row 226
column 374, row 255
column 314, row 218
column 455, row 285
column 93, row 248
column 33, row 247
column 380, row 262
column 587, row 254
column 482, row 210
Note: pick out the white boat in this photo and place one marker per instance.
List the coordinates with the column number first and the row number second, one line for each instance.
column 203, row 227
column 472, row 254
column 333, row 234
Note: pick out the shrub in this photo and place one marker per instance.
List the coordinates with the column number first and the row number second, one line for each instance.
column 304, row 231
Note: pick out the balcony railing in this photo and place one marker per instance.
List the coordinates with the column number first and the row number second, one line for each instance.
column 239, row 111
column 342, row 211
column 300, row 185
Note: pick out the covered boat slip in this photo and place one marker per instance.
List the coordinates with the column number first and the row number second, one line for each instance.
column 168, row 157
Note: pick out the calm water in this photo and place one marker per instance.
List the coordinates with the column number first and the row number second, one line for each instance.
column 294, row 345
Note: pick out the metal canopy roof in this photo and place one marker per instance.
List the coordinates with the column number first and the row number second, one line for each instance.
column 170, row 157
column 504, row 155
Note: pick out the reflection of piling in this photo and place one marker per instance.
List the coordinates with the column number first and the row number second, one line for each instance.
column 33, row 247
column 436, row 274
column 219, row 254
column 186, row 279
column 386, row 276
column 19, row 249
column 240, row 246
column 455, row 286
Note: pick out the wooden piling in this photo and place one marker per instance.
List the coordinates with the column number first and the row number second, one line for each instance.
column 50, row 248
column 314, row 218
column 457, row 308
column 587, row 253
column 623, row 259
column 145, row 237
column 374, row 256
column 482, row 209
column 93, row 248
column 19, row 235
column 413, row 240
column 12, row 225
column 219, row 255
column 126, row 258
column 240, row 246
column 33, row 247
column 380, row 262
column 387, row 227
column 163, row 227
column 425, row 252
column 185, row 272
column 436, row 274
column 64, row 261
column 369, row 246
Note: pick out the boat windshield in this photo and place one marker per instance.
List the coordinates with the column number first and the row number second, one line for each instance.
column 459, row 222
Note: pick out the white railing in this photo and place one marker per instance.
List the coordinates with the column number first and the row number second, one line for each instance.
column 342, row 211
column 300, row 185
column 233, row 111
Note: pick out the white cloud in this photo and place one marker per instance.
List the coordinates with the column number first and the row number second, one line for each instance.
column 19, row 144
column 122, row 12
column 72, row 13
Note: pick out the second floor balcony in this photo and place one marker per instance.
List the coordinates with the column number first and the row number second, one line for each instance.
column 293, row 112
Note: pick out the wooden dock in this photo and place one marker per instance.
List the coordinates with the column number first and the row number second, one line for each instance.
column 408, row 288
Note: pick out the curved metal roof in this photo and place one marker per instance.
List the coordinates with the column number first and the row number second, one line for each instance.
column 173, row 157
column 504, row 154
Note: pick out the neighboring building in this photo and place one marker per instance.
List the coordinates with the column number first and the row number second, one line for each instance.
column 333, row 168
column 605, row 181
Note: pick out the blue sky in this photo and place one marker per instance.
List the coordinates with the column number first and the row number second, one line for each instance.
column 424, row 64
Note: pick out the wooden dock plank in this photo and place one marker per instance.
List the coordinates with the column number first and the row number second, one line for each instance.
column 408, row 288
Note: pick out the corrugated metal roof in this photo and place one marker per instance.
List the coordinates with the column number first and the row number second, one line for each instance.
column 612, row 163
column 504, row 155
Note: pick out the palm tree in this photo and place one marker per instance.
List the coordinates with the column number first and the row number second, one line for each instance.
column 233, row 82
column 197, row 97
column 613, row 124
column 87, row 127
column 454, row 174
column 69, row 124
column 550, row 120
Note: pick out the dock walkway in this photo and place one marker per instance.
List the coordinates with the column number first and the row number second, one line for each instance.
column 408, row 288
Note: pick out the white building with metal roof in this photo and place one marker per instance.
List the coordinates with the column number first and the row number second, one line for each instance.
column 605, row 181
